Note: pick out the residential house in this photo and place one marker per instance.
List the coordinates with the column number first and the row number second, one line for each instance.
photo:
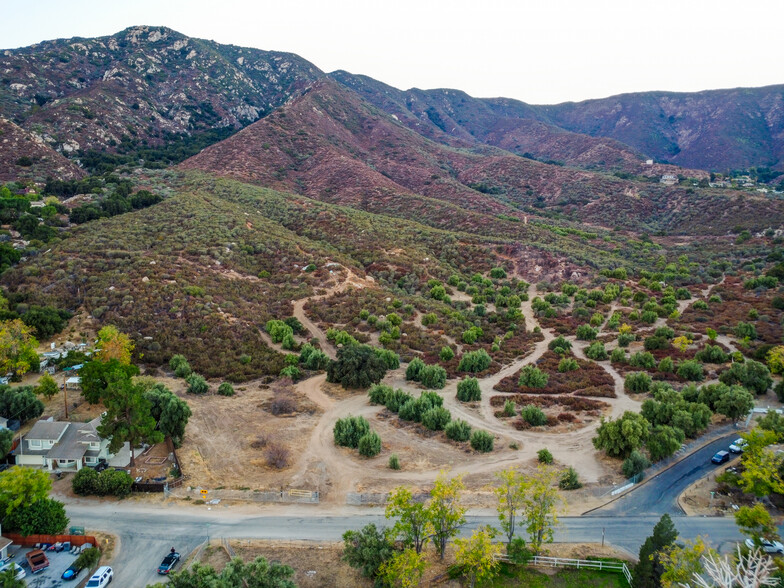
column 4, row 544
column 669, row 179
column 69, row 446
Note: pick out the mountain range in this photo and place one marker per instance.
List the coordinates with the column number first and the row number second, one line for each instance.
column 145, row 86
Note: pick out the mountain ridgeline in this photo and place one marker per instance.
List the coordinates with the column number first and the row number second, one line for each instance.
column 146, row 87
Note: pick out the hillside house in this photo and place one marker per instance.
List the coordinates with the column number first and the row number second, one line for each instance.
column 669, row 179
column 66, row 446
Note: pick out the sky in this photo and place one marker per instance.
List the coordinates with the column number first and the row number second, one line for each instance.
column 541, row 52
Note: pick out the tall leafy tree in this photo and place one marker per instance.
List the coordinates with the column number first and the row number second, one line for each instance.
column 413, row 524
column 648, row 571
column 17, row 347
column 755, row 522
column 735, row 403
column 621, row 436
column 114, row 345
column 405, row 569
column 511, row 494
column 22, row 487
column 96, row 376
column 46, row 386
column 128, row 415
column 478, row 556
column 367, row 549
column 357, row 366
column 171, row 412
column 445, row 512
column 540, row 507
column 682, row 563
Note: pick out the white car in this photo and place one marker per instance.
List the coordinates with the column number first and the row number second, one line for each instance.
column 100, row 578
column 738, row 446
column 20, row 573
column 766, row 546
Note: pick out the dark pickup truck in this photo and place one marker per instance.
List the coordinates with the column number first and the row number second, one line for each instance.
column 37, row 560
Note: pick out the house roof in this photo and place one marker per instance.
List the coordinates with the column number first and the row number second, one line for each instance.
column 68, row 447
column 47, row 430
column 5, row 542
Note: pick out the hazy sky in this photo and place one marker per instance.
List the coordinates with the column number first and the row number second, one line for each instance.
column 541, row 52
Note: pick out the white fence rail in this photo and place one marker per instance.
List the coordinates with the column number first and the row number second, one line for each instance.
column 563, row 562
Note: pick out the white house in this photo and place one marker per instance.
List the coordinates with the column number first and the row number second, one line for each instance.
column 669, row 179
column 63, row 445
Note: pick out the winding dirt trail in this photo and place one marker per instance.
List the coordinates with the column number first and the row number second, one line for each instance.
column 337, row 471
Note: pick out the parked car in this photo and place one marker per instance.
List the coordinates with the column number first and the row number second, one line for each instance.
column 71, row 572
column 738, row 446
column 101, row 465
column 766, row 546
column 37, row 560
column 100, row 578
column 168, row 563
column 20, row 573
column 721, row 457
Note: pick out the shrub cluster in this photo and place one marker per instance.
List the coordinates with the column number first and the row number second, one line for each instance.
column 88, row 482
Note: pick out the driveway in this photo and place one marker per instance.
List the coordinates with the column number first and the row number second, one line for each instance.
column 659, row 494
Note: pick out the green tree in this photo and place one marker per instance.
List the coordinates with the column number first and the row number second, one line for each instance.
column 17, row 347
column 349, row 430
column 445, row 512
column 478, row 556
column 22, row 487
column 114, row 345
column 749, row 374
column 648, row 571
column 511, row 493
column 46, row 386
column 735, row 403
column 540, row 507
column 367, row 549
column 46, row 321
column 356, row 367
column 413, row 524
column 6, row 441
column 446, row 353
column 43, row 517
column 171, row 412
column 197, row 384
column 755, row 522
column 96, row 375
column 621, row 436
column 433, row 376
column 682, row 563
column 19, row 403
column 532, row 377
column 474, row 361
column 664, row 441
column 369, row 444
column 458, row 430
column 482, row 441
column 404, row 570
column 8, row 579
column 258, row 573
column 468, row 390
column 128, row 416
column 761, row 476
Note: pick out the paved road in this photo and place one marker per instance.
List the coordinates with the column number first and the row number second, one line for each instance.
column 659, row 495
column 148, row 533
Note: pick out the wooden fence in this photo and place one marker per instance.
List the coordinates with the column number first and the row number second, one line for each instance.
column 563, row 562
column 31, row 540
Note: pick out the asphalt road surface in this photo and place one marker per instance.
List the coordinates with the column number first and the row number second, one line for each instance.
column 659, row 495
column 146, row 533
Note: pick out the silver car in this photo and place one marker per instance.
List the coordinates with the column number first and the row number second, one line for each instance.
column 766, row 546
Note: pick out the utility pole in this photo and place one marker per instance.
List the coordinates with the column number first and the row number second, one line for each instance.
column 65, row 396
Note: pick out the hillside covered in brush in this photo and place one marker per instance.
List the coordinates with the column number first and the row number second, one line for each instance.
column 332, row 145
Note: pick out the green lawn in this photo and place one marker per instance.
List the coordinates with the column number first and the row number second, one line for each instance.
column 530, row 578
